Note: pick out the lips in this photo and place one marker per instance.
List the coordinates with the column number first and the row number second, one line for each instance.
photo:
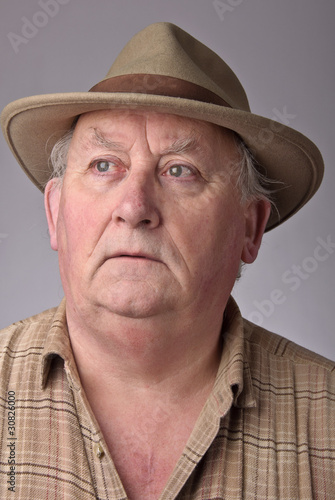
column 135, row 255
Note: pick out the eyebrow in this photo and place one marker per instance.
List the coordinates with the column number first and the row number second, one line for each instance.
column 99, row 139
column 179, row 146
column 182, row 146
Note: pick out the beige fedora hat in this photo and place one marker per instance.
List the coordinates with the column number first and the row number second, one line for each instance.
column 166, row 69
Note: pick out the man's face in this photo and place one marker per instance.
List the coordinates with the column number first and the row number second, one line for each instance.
column 148, row 220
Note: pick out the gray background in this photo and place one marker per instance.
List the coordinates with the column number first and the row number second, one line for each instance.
column 282, row 51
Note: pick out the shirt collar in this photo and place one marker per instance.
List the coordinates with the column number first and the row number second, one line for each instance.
column 57, row 343
column 233, row 383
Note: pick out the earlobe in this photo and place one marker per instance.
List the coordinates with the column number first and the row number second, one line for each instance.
column 51, row 203
column 257, row 215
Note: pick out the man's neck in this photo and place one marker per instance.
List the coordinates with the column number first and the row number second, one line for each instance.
column 146, row 353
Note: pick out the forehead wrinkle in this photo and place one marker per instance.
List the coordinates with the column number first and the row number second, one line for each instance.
column 179, row 146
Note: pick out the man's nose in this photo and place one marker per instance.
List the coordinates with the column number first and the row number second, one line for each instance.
column 136, row 202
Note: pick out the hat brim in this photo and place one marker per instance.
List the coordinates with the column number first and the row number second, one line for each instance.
column 33, row 125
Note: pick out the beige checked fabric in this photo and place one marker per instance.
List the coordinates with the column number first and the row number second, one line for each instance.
column 266, row 432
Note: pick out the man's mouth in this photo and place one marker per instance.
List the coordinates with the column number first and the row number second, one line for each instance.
column 133, row 256
column 142, row 256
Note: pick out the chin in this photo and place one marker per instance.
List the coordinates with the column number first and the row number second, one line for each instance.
column 132, row 311
column 135, row 305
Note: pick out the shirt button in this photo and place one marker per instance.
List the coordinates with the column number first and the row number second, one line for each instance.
column 98, row 450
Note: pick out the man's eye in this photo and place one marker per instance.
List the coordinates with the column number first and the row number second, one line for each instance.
column 103, row 166
column 179, row 171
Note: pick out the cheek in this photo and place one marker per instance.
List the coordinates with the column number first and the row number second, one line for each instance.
column 78, row 229
column 219, row 223
column 213, row 239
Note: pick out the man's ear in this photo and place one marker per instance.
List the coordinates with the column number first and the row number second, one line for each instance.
column 257, row 215
column 51, row 203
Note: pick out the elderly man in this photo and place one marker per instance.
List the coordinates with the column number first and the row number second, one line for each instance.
column 145, row 382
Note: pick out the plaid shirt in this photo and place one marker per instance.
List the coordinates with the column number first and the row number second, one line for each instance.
column 266, row 432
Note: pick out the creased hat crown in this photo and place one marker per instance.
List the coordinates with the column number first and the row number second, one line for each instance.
column 165, row 49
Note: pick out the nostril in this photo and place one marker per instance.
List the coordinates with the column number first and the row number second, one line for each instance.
column 121, row 219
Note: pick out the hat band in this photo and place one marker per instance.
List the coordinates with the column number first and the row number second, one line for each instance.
column 158, row 85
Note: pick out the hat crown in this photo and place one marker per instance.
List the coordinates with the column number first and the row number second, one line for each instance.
column 165, row 49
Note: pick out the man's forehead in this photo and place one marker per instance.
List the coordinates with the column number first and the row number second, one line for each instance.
column 110, row 128
column 178, row 145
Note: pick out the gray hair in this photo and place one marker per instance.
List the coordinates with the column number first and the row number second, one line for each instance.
column 59, row 154
column 250, row 182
